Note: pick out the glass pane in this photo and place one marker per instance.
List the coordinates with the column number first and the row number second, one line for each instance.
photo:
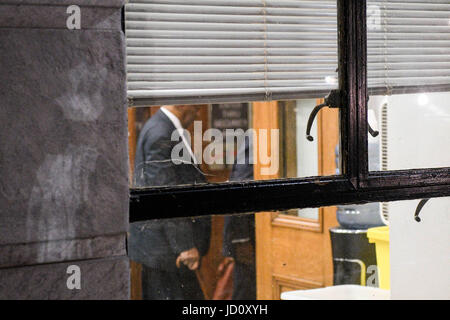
column 409, row 84
column 218, row 143
column 414, row 131
column 371, row 251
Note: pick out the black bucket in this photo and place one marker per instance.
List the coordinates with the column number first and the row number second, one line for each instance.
column 354, row 258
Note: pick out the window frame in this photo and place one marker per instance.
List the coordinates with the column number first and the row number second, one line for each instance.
column 356, row 184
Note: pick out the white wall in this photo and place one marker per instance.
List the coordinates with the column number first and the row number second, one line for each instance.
column 420, row 251
column 418, row 129
column 418, row 137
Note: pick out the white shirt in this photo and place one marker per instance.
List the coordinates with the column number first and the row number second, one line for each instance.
column 181, row 131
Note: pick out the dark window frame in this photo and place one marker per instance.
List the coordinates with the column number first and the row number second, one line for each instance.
column 356, row 185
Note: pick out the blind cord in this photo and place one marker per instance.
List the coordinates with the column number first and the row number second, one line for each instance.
column 268, row 94
column 386, row 62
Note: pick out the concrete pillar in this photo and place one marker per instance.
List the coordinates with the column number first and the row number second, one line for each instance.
column 63, row 150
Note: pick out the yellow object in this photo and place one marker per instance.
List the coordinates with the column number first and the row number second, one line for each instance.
column 380, row 236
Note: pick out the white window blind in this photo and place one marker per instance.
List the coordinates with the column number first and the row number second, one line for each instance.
column 225, row 50
column 408, row 45
column 184, row 51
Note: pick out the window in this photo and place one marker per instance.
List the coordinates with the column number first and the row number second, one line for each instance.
column 277, row 61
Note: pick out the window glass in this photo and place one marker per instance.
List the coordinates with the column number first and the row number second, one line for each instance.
column 198, row 71
column 409, row 84
column 194, row 144
column 370, row 251
column 414, row 131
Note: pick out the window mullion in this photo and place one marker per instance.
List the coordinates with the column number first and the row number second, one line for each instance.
column 352, row 44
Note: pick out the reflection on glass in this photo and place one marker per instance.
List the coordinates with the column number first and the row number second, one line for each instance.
column 380, row 251
column 195, row 144
column 169, row 253
column 210, row 258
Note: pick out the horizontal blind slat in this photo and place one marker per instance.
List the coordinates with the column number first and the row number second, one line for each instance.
column 186, row 85
column 231, row 10
column 246, row 43
column 221, row 92
column 201, row 76
column 181, row 51
column 318, row 26
column 319, row 34
column 177, row 60
column 211, row 68
column 260, row 67
column 250, row 43
column 219, row 18
column 247, row 3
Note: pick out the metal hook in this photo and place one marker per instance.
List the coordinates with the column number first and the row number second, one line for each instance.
column 419, row 208
column 332, row 100
column 372, row 132
column 311, row 120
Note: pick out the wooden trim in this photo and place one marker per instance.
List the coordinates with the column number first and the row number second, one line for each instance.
column 296, row 283
column 284, row 220
column 263, row 251
column 264, row 116
column 135, row 280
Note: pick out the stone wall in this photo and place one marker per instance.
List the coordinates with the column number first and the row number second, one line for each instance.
column 63, row 150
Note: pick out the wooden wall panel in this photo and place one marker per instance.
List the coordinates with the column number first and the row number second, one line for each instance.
column 297, row 254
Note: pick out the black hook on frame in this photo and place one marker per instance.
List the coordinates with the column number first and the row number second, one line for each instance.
column 372, row 132
column 419, row 208
column 332, row 100
column 312, row 116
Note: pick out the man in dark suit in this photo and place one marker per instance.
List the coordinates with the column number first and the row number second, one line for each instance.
column 169, row 250
column 239, row 233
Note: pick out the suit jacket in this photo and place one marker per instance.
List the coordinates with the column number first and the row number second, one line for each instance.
column 238, row 227
column 157, row 243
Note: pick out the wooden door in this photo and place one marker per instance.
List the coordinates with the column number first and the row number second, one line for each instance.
column 294, row 253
